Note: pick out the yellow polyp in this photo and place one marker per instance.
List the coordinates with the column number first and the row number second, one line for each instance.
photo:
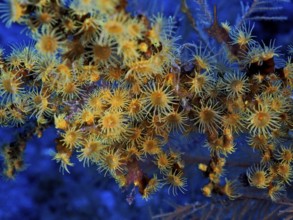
column 207, row 190
column 143, row 47
column 202, row 167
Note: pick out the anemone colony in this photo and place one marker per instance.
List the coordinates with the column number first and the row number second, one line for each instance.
column 115, row 86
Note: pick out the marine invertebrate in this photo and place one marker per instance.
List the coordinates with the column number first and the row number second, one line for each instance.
column 158, row 99
column 176, row 181
column 235, row 84
column 63, row 156
column 242, row 35
column 119, row 88
column 151, row 146
column 12, row 11
column 10, row 85
column 262, row 120
column 103, row 51
column 113, row 122
column 111, row 161
column 49, row 41
column 230, row 189
column 200, row 83
column 258, row 176
column 40, row 104
column 163, row 161
column 72, row 137
column 203, row 59
column 284, row 154
column 208, row 117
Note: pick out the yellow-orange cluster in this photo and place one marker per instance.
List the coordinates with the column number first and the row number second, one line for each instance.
column 115, row 87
